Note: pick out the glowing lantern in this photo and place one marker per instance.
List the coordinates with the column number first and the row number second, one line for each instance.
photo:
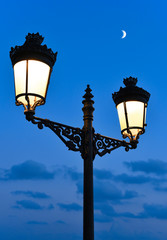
column 131, row 102
column 32, row 63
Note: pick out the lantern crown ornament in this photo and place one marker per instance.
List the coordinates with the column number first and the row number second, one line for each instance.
column 32, row 49
column 131, row 102
column 130, row 92
column 32, row 63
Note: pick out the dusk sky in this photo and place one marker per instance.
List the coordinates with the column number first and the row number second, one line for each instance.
column 41, row 181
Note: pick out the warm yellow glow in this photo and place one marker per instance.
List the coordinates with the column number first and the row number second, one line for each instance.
column 38, row 76
column 121, row 115
column 20, row 77
column 135, row 111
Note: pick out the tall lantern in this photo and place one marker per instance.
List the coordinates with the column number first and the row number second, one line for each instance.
column 131, row 102
column 32, row 63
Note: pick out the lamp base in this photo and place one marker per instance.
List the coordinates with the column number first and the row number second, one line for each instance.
column 29, row 114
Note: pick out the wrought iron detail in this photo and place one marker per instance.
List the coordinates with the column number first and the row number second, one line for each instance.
column 76, row 139
column 71, row 136
column 103, row 144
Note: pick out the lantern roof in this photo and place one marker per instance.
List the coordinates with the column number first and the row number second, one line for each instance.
column 32, row 49
column 130, row 92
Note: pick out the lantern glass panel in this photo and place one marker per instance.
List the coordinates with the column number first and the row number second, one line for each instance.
column 38, row 76
column 37, row 80
column 135, row 114
column 135, row 111
column 121, row 115
column 20, row 77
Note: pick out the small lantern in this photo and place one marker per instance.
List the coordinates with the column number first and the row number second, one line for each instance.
column 131, row 102
column 32, row 63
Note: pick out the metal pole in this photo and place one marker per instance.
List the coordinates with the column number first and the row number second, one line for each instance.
column 88, row 156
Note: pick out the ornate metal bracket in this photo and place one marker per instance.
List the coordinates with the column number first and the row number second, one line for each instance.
column 71, row 136
column 105, row 144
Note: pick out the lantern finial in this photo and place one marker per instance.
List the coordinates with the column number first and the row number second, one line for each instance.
column 34, row 39
column 130, row 81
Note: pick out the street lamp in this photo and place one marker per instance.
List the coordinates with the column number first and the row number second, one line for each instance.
column 131, row 103
column 33, row 63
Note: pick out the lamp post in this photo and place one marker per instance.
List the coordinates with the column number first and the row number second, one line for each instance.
column 33, row 63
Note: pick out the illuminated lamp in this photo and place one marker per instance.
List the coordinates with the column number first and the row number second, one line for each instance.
column 131, row 102
column 32, row 63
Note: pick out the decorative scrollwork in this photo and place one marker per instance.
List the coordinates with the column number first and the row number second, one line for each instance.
column 105, row 145
column 69, row 135
column 77, row 139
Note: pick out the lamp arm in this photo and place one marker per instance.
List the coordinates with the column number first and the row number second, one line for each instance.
column 105, row 144
column 70, row 136
column 73, row 137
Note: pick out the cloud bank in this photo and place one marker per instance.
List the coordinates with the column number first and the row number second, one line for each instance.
column 38, row 195
column 156, row 167
column 31, row 205
column 28, row 170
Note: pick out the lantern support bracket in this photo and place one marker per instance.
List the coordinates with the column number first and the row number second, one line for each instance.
column 70, row 136
column 105, row 144
column 73, row 137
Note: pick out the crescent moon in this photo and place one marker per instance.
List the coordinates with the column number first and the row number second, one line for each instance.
column 124, row 34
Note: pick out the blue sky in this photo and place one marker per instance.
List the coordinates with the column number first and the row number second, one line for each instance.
column 40, row 180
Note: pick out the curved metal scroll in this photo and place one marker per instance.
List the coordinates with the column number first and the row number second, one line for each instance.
column 69, row 135
column 105, row 144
